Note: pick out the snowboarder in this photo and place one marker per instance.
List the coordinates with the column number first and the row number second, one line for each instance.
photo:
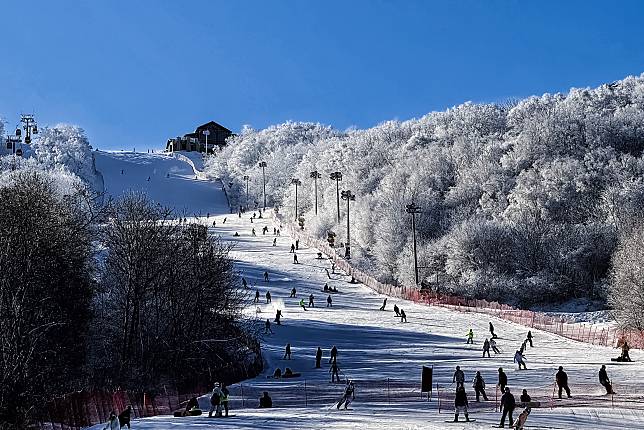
column 224, row 398
column 384, row 303
column 278, row 232
column 214, row 223
column 503, row 380
column 460, row 404
column 266, row 276
column 523, row 346
column 215, row 401
column 349, row 395
column 297, row 244
column 479, row 386
column 311, row 304
column 486, row 348
column 268, row 296
column 287, row 352
column 604, row 381
column 329, row 301
column 265, row 401
column 520, row 360
column 112, row 422
column 254, row 232
column 256, row 296
column 494, row 336
column 244, row 283
column 525, row 397
column 275, row 242
column 292, row 248
column 508, row 403
column 125, row 417
column 274, row 231
column 519, row 424
column 334, row 371
column 625, row 355
column 278, row 317
column 267, row 327
column 318, row 358
column 326, row 287
column 224, row 221
column 403, row 316
column 396, row 310
column 295, row 259
column 470, row 337
column 251, row 220
column 562, row 381
column 293, row 292
column 334, row 354
column 302, row 303
column 494, row 347
column 459, row 377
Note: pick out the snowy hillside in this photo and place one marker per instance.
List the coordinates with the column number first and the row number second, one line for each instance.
column 383, row 355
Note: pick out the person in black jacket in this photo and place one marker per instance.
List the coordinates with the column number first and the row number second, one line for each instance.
column 125, row 417
column 525, row 397
column 265, row 401
column 479, row 386
column 508, row 403
column 503, row 380
column 318, row 358
column 603, row 379
column 562, row 381
column 287, row 352
column 460, row 404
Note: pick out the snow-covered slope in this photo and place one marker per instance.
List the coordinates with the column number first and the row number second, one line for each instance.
column 383, row 355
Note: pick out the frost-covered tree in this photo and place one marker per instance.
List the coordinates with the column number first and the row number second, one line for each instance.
column 627, row 286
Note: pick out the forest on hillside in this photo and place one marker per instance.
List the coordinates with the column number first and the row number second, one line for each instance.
column 524, row 202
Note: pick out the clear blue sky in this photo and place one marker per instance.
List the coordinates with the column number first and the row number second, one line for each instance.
column 134, row 73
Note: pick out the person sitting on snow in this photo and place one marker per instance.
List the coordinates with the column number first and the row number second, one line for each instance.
column 265, row 401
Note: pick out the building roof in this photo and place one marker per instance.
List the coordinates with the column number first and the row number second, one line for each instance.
column 212, row 124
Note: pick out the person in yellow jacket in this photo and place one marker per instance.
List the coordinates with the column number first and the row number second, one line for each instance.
column 224, row 398
column 470, row 337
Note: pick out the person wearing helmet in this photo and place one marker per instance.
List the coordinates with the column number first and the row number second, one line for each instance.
column 348, row 396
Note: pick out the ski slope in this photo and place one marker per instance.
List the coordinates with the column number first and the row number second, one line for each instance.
column 383, row 355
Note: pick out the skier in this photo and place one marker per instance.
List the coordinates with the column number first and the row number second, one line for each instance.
column 287, row 351
column 494, row 347
column 267, row 327
column 333, row 370
column 266, row 276
column 525, row 397
column 224, row 221
column 503, row 380
column 459, row 377
column 256, row 296
column 278, row 232
column 318, row 358
column 265, row 401
column 494, row 336
column 523, row 346
column 326, row 287
column 329, row 301
column 396, row 310
column 112, row 422
column 268, row 296
column 224, row 397
column 244, row 283
column 508, row 403
column 403, row 316
column 254, row 232
column 470, row 337
column 479, row 386
column 460, row 403
column 486, row 348
column 125, row 417
column 274, row 231
column 562, row 381
column 334, row 354
column 349, row 395
column 278, row 316
column 214, row 223
column 275, row 242
column 604, row 381
column 384, row 303
column 215, row 401
column 251, row 220
column 295, row 259
column 302, row 303
column 293, row 292
column 519, row 359
column 519, row 424
column 292, row 247
column 311, row 304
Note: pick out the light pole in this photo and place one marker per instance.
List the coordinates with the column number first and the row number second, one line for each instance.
column 246, row 178
column 413, row 210
column 337, row 177
column 206, row 133
column 297, row 183
column 263, row 165
column 316, row 175
column 348, row 196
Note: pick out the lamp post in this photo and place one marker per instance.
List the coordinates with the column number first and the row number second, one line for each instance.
column 316, row 175
column 296, row 182
column 246, row 178
column 348, row 196
column 206, row 133
column 337, row 177
column 263, row 165
column 413, row 210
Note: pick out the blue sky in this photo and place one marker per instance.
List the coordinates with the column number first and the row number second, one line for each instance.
column 134, row 73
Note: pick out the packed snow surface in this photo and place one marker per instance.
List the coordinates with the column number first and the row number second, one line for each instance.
column 383, row 355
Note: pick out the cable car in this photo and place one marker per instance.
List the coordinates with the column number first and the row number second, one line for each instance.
column 35, row 130
column 27, row 140
column 18, row 132
column 19, row 152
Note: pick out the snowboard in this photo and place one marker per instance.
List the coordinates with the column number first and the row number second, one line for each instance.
column 472, row 420
column 191, row 413
column 224, row 416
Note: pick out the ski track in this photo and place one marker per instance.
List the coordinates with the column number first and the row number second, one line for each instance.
column 372, row 344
